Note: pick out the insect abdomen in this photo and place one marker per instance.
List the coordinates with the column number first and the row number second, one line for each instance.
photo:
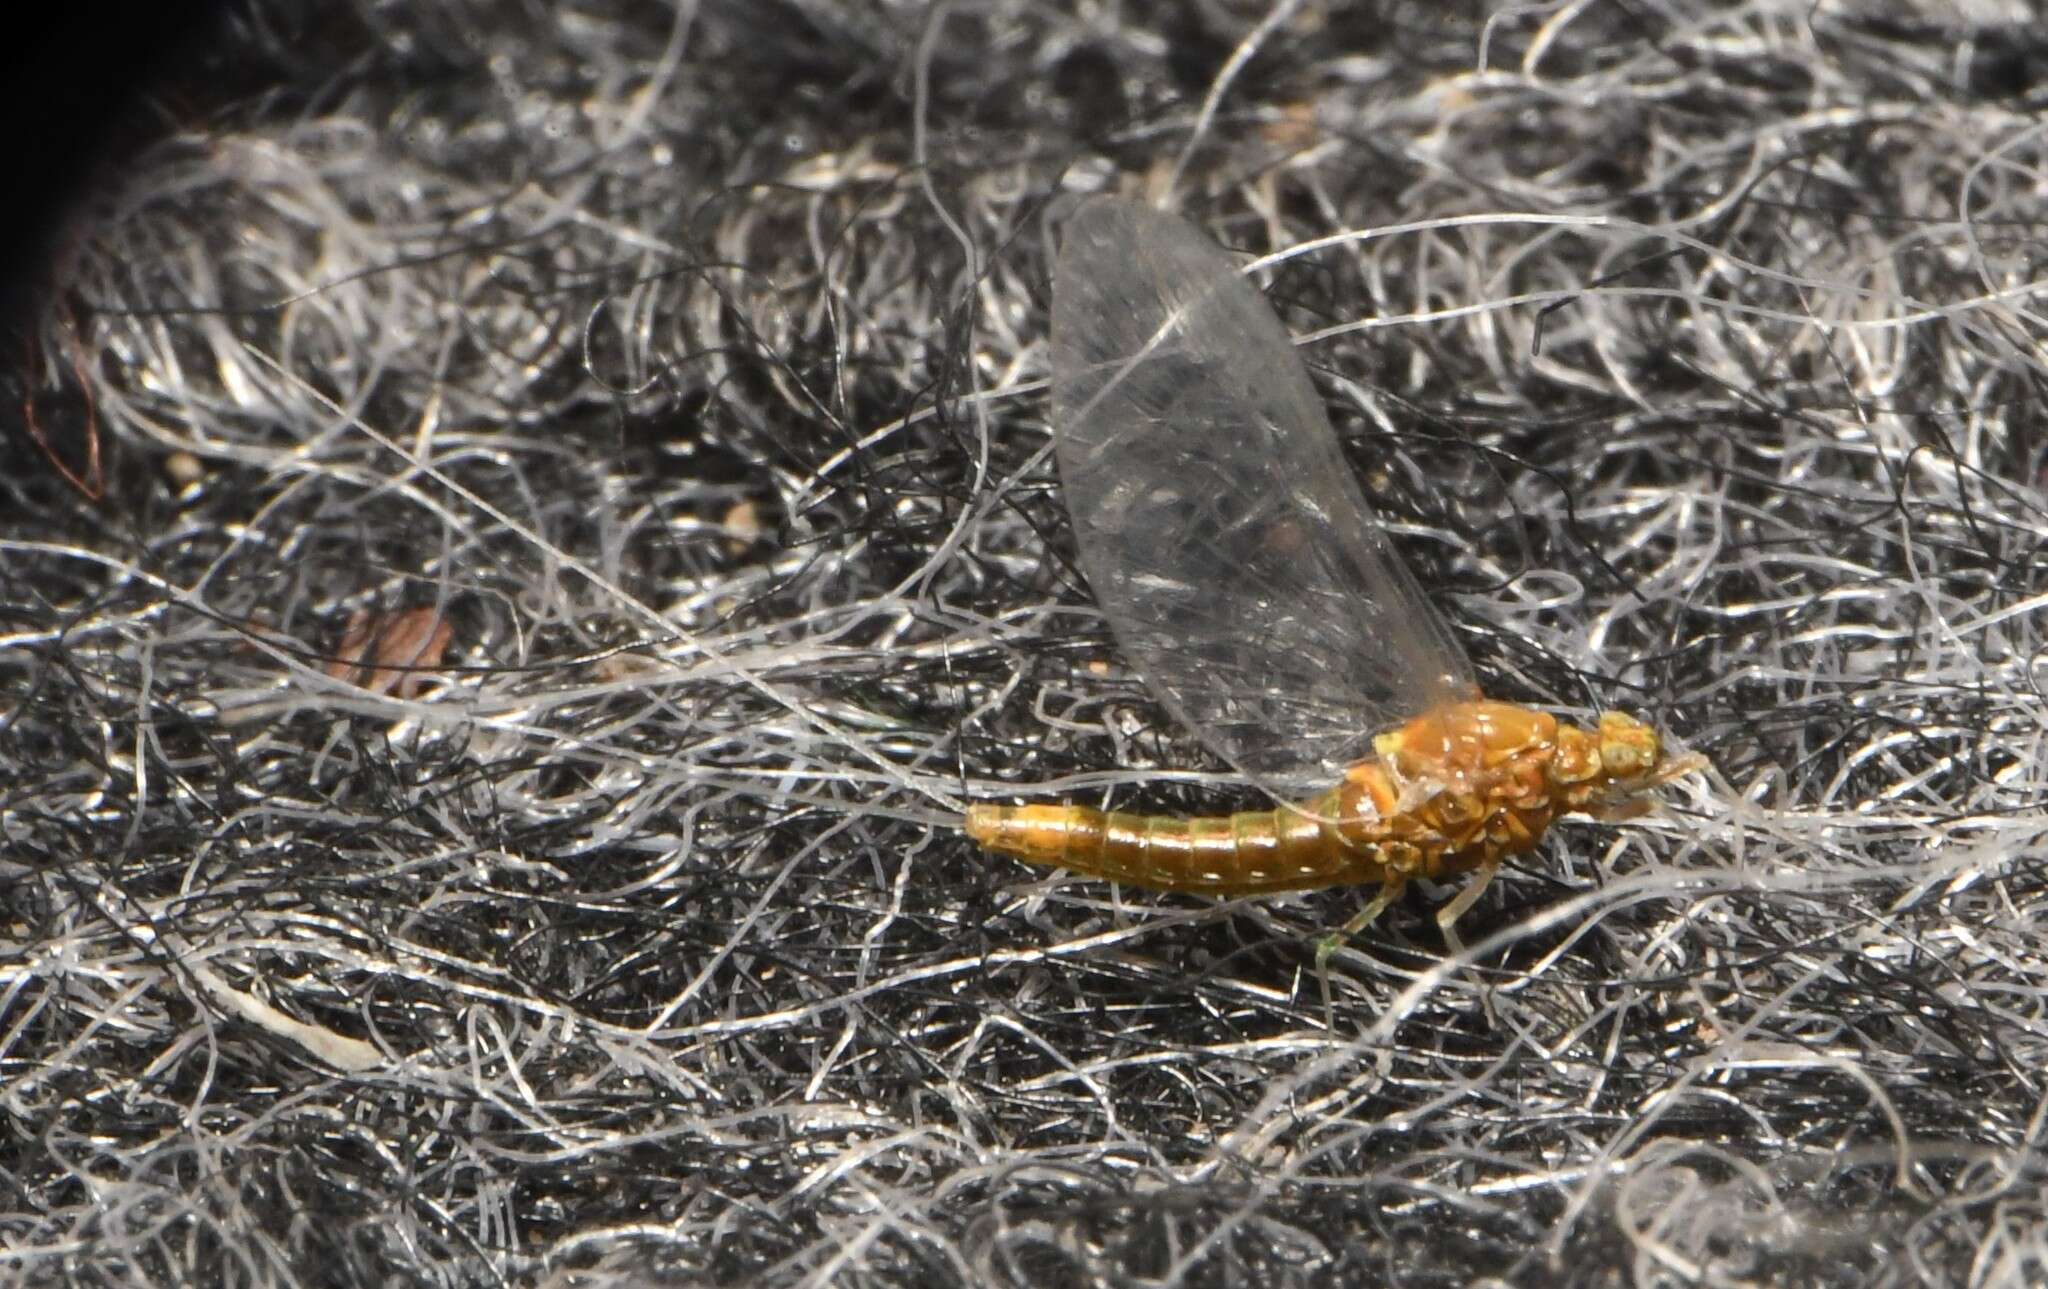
column 1241, row 854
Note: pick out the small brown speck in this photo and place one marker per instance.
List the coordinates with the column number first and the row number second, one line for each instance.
column 742, row 526
column 391, row 653
column 183, row 469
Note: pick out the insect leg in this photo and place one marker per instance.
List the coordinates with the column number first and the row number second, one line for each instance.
column 1678, row 767
column 1448, row 915
column 1619, row 811
column 1390, row 890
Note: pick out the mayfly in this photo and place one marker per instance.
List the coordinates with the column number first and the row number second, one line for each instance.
column 1243, row 572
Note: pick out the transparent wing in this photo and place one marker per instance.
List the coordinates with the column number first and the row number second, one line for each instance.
column 1220, row 527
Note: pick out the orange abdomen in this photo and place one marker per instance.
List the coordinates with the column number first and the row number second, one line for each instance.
column 1241, row 854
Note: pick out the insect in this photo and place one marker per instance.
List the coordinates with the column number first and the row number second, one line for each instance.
column 1242, row 570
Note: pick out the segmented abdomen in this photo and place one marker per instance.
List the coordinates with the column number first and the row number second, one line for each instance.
column 1241, row 854
column 1493, row 776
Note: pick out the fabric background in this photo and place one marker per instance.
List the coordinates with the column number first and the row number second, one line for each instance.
column 665, row 384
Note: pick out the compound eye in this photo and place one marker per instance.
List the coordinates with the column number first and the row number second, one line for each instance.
column 1629, row 758
column 1628, row 748
column 1623, row 760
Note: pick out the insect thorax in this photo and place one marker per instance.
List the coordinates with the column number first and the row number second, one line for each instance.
column 1471, row 783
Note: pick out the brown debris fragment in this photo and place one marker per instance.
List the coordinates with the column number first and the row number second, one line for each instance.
column 391, row 653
